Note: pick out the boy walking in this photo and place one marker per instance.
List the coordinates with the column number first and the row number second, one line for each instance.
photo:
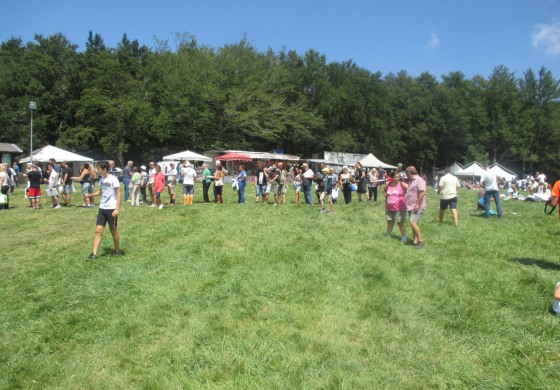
column 110, row 191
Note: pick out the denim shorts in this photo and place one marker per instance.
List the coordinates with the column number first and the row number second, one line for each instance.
column 261, row 189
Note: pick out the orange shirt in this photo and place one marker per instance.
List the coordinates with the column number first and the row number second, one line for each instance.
column 556, row 192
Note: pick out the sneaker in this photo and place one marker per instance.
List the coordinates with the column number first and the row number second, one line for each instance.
column 91, row 257
column 152, row 205
column 419, row 244
column 57, row 207
column 160, row 206
column 323, row 210
column 404, row 240
column 117, row 253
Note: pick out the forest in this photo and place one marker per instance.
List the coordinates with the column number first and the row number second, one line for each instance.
column 138, row 102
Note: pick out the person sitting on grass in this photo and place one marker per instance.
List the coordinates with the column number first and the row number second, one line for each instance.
column 556, row 300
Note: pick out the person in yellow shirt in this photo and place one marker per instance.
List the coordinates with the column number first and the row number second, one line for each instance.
column 447, row 190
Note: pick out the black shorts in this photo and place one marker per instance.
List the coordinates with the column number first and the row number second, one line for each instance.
column 218, row 190
column 451, row 203
column 104, row 216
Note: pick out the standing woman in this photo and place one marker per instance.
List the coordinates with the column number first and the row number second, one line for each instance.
column 241, row 182
column 135, row 181
column 159, row 185
column 219, row 184
column 395, row 206
column 345, row 180
column 372, row 184
column 85, row 182
column 296, row 174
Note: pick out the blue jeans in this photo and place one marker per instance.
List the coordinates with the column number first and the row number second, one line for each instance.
column 307, row 195
column 126, row 189
column 241, row 192
column 492, row 194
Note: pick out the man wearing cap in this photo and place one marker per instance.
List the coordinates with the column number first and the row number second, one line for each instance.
column 329, row 183
column 307, row 182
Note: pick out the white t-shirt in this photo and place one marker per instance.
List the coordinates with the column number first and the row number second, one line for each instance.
column 448, row 184
column 490, row 182
column 541, row 178
column 151, row 174
column 54, row 178
column 109, row 187
column 189, row 175
column 4, row 179
column 308, row 174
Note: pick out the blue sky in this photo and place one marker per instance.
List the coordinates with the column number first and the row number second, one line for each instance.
column 437, row 36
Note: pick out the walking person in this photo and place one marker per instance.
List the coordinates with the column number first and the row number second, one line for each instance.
column 109, row 206
column 447, row 190
column 395, row 206
column 415, row 203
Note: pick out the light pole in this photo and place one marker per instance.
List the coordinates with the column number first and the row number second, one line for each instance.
column 32, row 106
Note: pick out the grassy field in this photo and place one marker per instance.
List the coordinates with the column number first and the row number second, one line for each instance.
column 255, row 296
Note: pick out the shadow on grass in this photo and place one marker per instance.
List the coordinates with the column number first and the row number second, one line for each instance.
column 539, row 263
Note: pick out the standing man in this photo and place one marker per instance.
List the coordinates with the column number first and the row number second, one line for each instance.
column 415, row 200
column 35, row 178
column 206, row 182
column 171, row 181
column 490, row 183
column 110, row 191
column 260, row 182
column 447, row 190
column 127, row 175
column 67, row 188
column 326, row 195
column 307, row 183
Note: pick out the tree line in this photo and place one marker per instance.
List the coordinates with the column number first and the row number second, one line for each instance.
column 132, row 101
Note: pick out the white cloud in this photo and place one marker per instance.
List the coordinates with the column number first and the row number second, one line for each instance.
column 434, row 42
column 547, row 37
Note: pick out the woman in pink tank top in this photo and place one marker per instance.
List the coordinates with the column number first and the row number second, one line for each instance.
column 395, row 206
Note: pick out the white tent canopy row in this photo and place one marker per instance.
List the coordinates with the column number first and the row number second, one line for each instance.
column 187, row 155
column 477, row 170
column 370, row 161
column 47, row 152
column 265, row 155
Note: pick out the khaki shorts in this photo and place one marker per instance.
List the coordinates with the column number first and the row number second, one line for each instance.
column 415, row 217
column 171, row 189
column 396, row 216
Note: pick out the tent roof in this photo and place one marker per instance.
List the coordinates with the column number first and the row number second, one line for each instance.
column 323, row 161
column 10, row 148
column 47, row 152
column 454, row 168
column 473, row 169
column 503, row 172
column 187, row 155
column 265, row 155
column 370, row 161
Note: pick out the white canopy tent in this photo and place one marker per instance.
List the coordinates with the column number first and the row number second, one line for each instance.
column 453, row 168
column 475, row 170
column 370, row 161
column 45, row 153
column 187, row 155
column 503, row 172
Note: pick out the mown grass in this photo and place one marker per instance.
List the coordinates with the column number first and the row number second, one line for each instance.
column 255, row 296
